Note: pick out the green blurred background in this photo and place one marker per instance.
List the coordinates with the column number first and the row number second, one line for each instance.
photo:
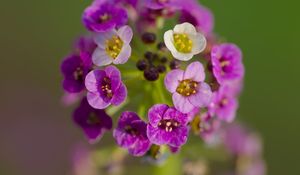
column 36, row 130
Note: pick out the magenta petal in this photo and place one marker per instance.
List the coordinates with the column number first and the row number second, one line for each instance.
column 119, row 95
column 179, row 137
column 203, row 96
column 182, row 103
column 93, row 134
column 140, row 147
column 157, row 136
column 114, row 75
column 92, row 79
column 174, row 114
column 172, row 79
column 195, row 72
column 96, row 101
column 123, row 139
column 156, row 113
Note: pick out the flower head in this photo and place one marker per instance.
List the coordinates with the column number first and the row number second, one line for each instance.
column 224, row 104
column 104, row 16
column 198, row 15
column 188, row 87
column 239, row 140
column 113, row 46
column 105, row 88
column 227, row 63
column 131, row 134
column 184, row 41
column 167, row 126
column 74, row 70
column 92, row 121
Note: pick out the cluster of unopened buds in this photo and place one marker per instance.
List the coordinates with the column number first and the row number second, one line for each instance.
column 157, row 68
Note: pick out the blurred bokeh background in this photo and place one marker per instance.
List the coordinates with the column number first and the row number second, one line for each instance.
column 36, row 132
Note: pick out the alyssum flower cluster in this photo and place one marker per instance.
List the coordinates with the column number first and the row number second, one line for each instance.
column 160, row 66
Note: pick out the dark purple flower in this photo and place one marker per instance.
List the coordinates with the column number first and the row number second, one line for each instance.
column 131, row 134
column 198, row 15
column 224, row 104
column 94, row 122
column 74, row 71
column 167, row 126
column 104, row 16
column 105, row 87
column 227, row 63
column 76, row 66
column 188, row 87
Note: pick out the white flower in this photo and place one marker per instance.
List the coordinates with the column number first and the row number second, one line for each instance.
column 184, row 41
column 113, row 46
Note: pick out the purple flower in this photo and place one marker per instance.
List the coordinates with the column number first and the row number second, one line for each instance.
column 74, row 71
column 85, row 46
column 105, row 87
column 160, row 4
column 76, row 66
column 198, row 15
column 104, row 16
column 94, row 122
column 240, row 141
column 224, row 104
column 131, row 134
column 188, row 87
column 167, row 126
column 227, row 63
column 133, row 3
column 113, row 46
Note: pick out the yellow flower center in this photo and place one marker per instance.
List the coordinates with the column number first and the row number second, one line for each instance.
column 183, row 43
column 187, row 87
column 105, row 17
column 114, row 46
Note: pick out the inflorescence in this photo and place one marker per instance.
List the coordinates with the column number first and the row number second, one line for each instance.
column 183, row 77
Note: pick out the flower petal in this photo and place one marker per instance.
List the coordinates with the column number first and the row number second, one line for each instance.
column 203, row 96
column 92, row 79
column 157, row 135
column 125, row 33
column 179, row 136
column 123, row 55
column 182, row 103
column 156, row 113
column 169, row 41
column 114, row 75
column 119, row 95
column 186, row 28
column 100, row 57
column 140, row 147
column 182, row 56
column 195, row 72
column 96, row 101
column 123, row 139
column 174, row 114
column 199, row 43
column 172, row 79
column 100, row 38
